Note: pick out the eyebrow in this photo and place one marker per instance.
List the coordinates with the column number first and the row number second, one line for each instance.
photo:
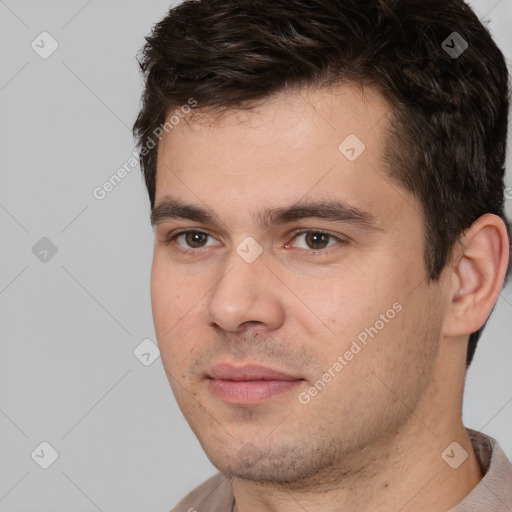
column 333, row 210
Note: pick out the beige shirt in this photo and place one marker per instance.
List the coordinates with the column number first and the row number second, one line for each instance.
column 492, row 494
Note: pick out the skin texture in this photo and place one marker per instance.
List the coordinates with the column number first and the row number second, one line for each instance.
column 372, row 437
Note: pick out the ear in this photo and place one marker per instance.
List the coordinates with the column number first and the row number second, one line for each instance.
column 477, row 274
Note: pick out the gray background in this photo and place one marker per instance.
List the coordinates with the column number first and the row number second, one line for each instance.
column 69, row 325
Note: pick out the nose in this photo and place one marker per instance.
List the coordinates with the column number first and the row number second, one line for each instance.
column 246, row 295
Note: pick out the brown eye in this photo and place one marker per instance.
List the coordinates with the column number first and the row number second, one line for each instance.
column 316, row 240
column 195, row 239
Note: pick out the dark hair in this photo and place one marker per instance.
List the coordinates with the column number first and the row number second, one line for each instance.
column 449, row 102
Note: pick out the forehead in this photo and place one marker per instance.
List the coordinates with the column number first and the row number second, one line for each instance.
column 288, row 116
column 296, row 144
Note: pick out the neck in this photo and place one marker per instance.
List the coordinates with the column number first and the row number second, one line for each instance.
column 403, row 470
column 406, row 477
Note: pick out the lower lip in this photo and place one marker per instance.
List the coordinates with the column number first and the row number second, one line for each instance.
column 250, row 391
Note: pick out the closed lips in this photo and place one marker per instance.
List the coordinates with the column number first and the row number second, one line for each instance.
column 248, row 373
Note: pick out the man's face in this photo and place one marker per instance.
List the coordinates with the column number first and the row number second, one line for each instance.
column 334, row 299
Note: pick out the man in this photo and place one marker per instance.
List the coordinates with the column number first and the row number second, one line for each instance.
column 326, row 188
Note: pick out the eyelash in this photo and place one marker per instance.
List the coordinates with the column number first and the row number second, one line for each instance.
column 311, row 252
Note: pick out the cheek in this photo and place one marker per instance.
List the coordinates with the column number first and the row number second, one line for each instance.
column 358, row 316
column 173, row 293
column 173, row 310
column 336, row 309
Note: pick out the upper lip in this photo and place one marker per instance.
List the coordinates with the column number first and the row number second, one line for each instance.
column 225, row 371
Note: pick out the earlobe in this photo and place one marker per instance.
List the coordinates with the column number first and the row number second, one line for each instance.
column 478, row 272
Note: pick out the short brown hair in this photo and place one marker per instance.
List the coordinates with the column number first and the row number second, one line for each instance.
column 443, row 75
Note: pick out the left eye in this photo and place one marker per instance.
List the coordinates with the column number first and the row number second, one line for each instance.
column 315, row 240
column 194, row 239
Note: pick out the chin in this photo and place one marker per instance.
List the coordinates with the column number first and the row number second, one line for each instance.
column 283, row 465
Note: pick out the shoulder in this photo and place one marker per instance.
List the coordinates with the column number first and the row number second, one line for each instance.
column 213, row 495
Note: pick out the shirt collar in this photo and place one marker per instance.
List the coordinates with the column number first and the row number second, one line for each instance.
column 494, row 491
